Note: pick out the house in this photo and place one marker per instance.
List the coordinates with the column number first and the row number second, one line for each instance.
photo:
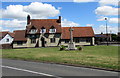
column 49, row 32
column 101, row 38
column 39, row 33
column 19, row 39
column 81, row 36
column 6, row 39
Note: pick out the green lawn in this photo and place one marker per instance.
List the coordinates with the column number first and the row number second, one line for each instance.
column 95, row 56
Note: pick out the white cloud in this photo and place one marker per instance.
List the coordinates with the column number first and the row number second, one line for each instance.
column 84, row 0
column 1, row 29
column 114, row 20
column 14, row 12
column 110, row 20
column 13, row 23
column 89, row 24
column 66, row 23
column 102, row 28
column 110, row 2
column 35, row 9
column 106, row 10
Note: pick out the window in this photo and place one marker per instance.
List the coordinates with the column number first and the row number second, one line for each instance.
column 33, row 40
column 52, row 30
column 33, row 31
column 66, row 41
column 88, row 40
column 43, row 31
column 77, row 40
column 19, row 43
column 7, row 40
column 52, row 40
column 83, row 39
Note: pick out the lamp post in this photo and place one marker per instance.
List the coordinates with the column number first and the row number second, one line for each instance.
column 106, row 31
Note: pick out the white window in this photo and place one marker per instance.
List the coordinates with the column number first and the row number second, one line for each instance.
column 33, row 31
column 43, row 31
column 52, row 31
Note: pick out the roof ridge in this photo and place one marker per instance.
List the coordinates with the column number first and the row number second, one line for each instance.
column 44, row 19
column 77, row 27
column 19, row 30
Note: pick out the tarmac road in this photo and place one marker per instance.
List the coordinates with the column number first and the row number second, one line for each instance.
column 28, row 68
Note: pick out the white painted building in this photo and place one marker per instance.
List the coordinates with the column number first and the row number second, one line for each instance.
column 6, row 38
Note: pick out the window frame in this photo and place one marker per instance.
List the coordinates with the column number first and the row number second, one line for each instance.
column 33, row 41
column 77, row 40
column 66, row 41
column 52, row 30
column 19, row 43
column 7, row 40
column 44, row 30
column 33, row 30
column 52, row 40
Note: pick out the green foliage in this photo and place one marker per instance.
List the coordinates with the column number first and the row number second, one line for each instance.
column 80, row 48
column 114, row 37
column 62, row 47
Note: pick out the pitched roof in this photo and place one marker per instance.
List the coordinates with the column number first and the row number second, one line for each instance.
column 46, row 23
column 3, row 34
column 77, row 32
column 20, row 35
column 12, row 34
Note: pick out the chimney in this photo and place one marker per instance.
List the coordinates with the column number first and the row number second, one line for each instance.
column 28, row 19
column 59, row 19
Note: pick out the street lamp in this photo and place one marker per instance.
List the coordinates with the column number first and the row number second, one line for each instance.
column 106, row 31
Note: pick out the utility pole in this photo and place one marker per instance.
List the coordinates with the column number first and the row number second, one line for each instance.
column 106, row 31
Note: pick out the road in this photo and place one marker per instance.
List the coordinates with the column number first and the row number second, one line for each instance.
column 27, row 68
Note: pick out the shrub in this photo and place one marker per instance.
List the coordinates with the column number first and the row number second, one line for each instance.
column 80, row 48
column 62, row 47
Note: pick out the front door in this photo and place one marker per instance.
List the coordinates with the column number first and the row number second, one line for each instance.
column 43, row 42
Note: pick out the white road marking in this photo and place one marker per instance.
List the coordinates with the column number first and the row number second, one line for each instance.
column 28, row 71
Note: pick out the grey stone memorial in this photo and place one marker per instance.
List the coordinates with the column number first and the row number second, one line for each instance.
column 71, row 45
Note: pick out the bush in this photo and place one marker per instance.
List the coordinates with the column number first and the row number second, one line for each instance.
column 62, row 47
column 80, row 48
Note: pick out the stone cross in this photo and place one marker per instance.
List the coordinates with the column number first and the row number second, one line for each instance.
column 71, row 45
column 71, row 35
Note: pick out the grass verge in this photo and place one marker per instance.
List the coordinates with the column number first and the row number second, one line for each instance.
column 91, row 56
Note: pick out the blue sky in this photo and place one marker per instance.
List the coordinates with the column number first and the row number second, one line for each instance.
column 73, row 14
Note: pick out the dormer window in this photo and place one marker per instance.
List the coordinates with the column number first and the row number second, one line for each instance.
column 33, row 31
column 52, row 30
column 43, row 30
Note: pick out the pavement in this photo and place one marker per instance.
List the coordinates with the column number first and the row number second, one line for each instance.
column 28, row 68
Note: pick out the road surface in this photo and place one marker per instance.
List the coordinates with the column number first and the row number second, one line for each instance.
column 27, row 68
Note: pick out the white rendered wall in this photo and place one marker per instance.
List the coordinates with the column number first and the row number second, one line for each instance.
column 4, row 40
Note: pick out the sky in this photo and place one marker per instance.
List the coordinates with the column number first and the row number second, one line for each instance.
column 78, row 13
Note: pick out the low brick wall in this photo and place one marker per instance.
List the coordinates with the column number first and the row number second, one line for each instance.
column 6, row 46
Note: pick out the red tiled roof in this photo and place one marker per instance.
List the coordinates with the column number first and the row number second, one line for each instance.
column 77, row 32
column 11, row 34
column 3, row 34
column 46, row 23
column 20, row 35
